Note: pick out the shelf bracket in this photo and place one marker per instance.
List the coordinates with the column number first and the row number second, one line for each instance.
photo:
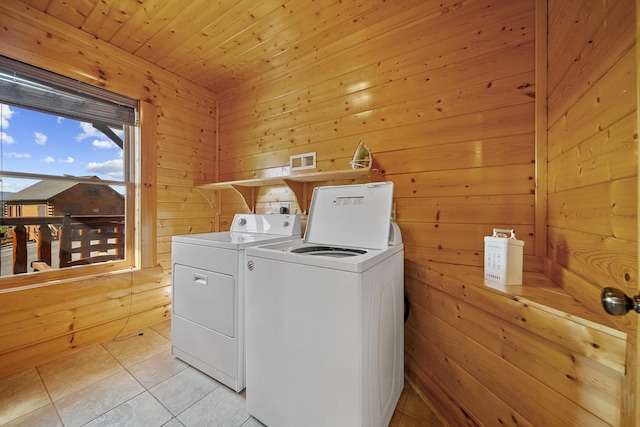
column 300, row 192
column 375, row 175
column 248, row 194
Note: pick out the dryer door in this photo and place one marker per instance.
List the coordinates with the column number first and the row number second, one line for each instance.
column 205, row 297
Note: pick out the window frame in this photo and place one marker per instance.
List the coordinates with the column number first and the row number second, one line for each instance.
column 140, row 229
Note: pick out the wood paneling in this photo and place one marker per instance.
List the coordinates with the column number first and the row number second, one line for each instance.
column 47, row 319
column 592, row 146
column 473, row 343
column 592, row 158
column 43, row 322
column 516, row 368
column 219, row 44
column 585, row 40
column 448, row 97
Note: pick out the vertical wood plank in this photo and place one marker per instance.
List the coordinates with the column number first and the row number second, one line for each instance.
column 44, row 243
column 19, row 238
column 148, row 190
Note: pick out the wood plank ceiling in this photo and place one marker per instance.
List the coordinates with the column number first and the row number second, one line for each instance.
column 217, row 44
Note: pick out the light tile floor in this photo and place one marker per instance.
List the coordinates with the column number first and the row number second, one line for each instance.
column 134, row 381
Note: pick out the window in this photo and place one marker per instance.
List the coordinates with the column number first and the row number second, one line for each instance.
column 92, row 191
column 67, row 169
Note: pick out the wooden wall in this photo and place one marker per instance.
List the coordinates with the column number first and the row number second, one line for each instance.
column 444, row 94
column 446, row 100
column 39, row 321
column 592, row 158
column 592, row 147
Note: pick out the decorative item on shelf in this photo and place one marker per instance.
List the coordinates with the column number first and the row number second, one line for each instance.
column 503, row 257
column 362, row 158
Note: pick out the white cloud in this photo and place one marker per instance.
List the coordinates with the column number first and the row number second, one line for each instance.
column 68, row 160
column 88, row 131
column 18, row 155
column 112, row 168
column 60, row 119
column 5, row 115
column 100, row 140
column 103, row 143
column 5, row 138
column 13, row 186
column 41, row 138
column 48, row 159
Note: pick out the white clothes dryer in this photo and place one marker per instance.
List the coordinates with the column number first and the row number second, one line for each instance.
column 325, row 315
column 208, row 304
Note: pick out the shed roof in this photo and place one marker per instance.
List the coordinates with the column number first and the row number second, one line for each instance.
column 43, row 190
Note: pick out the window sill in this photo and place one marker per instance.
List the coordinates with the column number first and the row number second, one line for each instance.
column 57, row 275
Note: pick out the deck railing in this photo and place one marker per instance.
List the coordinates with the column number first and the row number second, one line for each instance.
column 83, row 239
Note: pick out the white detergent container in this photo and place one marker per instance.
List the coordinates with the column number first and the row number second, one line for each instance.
column 503, row 255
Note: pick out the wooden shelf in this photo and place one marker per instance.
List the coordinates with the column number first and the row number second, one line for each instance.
column 296, row 182
column 540, row 307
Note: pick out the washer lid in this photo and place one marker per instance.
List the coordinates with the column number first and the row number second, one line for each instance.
column 358, row 216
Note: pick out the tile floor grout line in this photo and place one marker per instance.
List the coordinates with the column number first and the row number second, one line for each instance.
column 112, row 409
column 127, row 369
column 46, row 389
column 92, row 384
column 148, row 389
column 197, row 401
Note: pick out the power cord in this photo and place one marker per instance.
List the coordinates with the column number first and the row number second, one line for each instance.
column 115, row 338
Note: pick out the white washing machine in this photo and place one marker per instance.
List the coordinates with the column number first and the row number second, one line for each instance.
column 208, row 304
column 325, row 315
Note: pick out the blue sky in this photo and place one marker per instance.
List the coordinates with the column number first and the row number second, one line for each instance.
column 47, row 144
